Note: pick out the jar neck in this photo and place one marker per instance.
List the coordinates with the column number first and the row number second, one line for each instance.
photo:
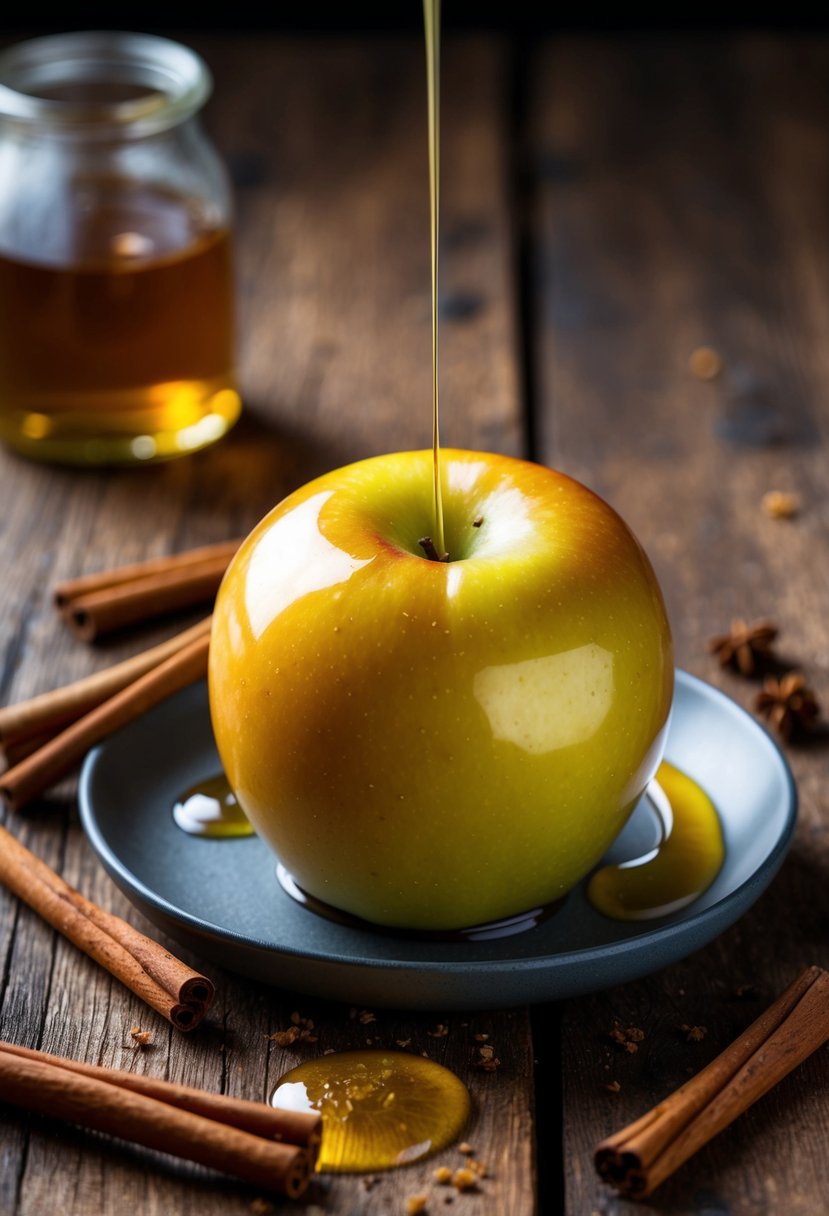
column 103, row 85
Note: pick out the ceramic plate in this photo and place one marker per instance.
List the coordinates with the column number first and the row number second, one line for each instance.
column 221, row 897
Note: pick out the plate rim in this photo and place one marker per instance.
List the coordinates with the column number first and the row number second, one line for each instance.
column 133, row 886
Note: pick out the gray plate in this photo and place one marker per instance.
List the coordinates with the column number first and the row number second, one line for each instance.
column 221, row 898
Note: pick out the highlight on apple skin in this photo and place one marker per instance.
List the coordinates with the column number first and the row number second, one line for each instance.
column 434, row 745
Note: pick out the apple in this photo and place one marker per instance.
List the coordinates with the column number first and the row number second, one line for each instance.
column 429, row 744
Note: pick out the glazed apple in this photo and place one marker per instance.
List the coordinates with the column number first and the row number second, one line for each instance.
column 430, row 744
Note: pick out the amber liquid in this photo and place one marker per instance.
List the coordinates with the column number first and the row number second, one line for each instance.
column 681, row 867
column 431, row 23
column 116, row 337
column 380, row 1109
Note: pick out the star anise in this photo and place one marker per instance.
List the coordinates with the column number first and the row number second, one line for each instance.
column 744, row 645
column 788, row 703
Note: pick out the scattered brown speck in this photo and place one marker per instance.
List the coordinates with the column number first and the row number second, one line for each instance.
column 465, row 1179
column 369, row 1181
column 487, row 1059
column 466, row 1148
column 300, row 1030
column 694, row 1034
column 746, row 992
column 628, row 1038
column 481, row 1038
column 402, row 1042
column 366, row 1017
column 442, row 1175
column 779, row 504
column 284, row 1038
column 613, row 1087
column 141, row 1038
column 261, row 1207
column 415, row 1204
column 705, row 363
column 477, row 521
column 440, row 1031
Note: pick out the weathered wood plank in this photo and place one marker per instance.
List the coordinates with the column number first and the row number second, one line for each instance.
column 682, row 192
column 328, row 145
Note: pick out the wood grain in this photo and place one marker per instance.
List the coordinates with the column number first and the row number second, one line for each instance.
column 327, row 142
column 681, row 193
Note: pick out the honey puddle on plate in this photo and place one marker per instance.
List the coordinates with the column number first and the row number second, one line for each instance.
column 666, row 879
column 681, row 866
column 380, row 1109
column 209, row 808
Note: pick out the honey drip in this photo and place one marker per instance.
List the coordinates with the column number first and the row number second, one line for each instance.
column 210, row 809
column 380, row 1109
column 677, row 871
column 431, row 20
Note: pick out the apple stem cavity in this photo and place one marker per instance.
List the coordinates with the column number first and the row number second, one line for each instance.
column 428, row 546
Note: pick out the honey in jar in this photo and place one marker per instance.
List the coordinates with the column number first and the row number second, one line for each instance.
column 116, row 295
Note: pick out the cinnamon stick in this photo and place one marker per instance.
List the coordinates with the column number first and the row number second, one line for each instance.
column 72, row 589
column 639, row 1158
column 58, row 1092
column 41, row 717
column 99, row 612
column 163, row 981
column 258, row 1118
column 61, row 754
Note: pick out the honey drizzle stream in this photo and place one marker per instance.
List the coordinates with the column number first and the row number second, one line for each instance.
column 431, row 19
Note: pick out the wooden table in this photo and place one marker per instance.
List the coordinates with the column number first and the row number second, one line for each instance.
column 608, row 206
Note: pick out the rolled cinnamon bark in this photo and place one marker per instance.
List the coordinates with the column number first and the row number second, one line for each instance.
column 99, row 612
column 639, row 1158
column 61, row 754
column 285, row 1126
column 165, row 983
column 36, row 720
column 58, row 1092
column 71, row 589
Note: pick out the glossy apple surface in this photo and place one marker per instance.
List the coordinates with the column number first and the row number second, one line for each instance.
column 434, row 745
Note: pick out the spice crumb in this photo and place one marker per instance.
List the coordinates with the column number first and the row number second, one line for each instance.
column 613, row 1087
column 779, row 504
column 415, row 1204
column 301, row 1029
column 369, row 1181
column 440, row 1031
column 488, row 1061
column 477, row 521
column 402, row 1042
column 694, row 1034
column 465, row 1179
column 466, row 1148
column 261, row 1207
column 366, row 1017
column 481, row 1038
column 141, row 1038
column 442, row 1175
column 705, row 363
column 746, row 992
column 628, row 1038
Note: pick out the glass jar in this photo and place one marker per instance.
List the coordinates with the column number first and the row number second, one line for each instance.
column 116, row 293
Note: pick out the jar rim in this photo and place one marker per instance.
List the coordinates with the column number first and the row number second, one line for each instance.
column 175, row 83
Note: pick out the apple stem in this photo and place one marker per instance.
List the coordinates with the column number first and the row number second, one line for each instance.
column 428, row 546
